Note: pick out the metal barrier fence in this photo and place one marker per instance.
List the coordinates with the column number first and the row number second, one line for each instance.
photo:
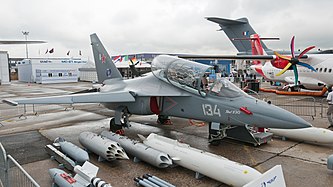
column 3, row 166
column 302, row 106
column 12, row 174
column 22, row 111
column 323, row 108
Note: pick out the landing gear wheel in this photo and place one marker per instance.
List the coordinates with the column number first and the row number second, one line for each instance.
column 164, row 120
column 118, row 129
column 217, row 132
column 215, row 142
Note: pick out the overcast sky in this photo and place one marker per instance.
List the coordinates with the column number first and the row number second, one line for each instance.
column 170, row 26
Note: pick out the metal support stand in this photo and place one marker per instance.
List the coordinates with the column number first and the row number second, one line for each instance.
column 245, row 134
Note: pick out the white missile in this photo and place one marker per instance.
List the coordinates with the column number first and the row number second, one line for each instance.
column 310, row 134
column 140, row 151
column 103, row 147
column 208, row 164
column 73, row 151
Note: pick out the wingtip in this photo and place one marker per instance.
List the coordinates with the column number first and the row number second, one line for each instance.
column 9, row 102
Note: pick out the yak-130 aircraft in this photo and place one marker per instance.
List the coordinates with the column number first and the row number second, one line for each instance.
column 315, row 70
column 174, row 88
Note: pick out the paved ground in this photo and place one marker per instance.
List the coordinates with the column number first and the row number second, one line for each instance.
column 24, row 138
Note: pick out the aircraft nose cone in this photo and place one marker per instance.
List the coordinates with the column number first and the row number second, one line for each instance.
column 289, row 120
column 271, row 116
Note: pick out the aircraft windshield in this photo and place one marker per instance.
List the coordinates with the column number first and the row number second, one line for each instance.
column 224, row 88
column 180, row 72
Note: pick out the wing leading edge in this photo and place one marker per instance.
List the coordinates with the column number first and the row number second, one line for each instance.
column 77, row 98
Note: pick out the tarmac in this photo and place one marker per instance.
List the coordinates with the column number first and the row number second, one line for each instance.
column 24, row 137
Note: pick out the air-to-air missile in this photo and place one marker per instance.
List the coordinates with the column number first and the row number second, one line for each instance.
column 310, row 134
column 140, row 151
column 85, row 176
column 73, row 151
column 205, row 163
column 105, row 148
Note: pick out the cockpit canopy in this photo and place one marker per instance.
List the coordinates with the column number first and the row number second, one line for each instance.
column 193, row 77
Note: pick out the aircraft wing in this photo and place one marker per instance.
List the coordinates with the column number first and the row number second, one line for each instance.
column 96, row 97
column 6, row 42
column 232, row 57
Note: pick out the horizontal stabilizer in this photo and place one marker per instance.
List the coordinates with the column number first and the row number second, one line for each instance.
column 225, row 22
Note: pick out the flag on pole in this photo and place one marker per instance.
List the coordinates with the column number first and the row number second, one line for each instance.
column 133, row 59
column 126, row 58
column 117, row 59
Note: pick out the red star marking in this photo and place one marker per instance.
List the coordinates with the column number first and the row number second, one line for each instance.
column 103, row 58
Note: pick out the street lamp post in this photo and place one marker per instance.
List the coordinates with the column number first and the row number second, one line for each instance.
column 26, row 33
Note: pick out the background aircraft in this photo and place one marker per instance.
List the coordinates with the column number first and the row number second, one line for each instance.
column 135, row 71
column 7, row 42
column 322, row 62
column 173, row 88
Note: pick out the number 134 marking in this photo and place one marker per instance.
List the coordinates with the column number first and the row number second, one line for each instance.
column 209, row 110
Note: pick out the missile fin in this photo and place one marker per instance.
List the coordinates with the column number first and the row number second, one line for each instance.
column 142, row 137
column 101, row 159
column 136, row 159
column 175, row 158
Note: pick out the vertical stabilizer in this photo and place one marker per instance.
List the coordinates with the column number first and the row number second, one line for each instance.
column 105, row 68
column 257, row 48
column 239, row 28
column 256, row 45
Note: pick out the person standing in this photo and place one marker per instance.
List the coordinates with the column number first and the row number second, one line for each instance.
column 330, row 107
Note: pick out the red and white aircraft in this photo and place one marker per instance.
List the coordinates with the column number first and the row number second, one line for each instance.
column 314, row 72
column 313, row 75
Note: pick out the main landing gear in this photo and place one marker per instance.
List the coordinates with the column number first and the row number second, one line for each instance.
column 118, row 129
column 164, row 120
column 119, row 121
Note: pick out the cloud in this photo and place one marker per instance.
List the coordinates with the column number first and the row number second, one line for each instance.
column 134, row 26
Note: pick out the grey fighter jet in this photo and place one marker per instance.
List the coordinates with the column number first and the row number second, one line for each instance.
column 174, row 88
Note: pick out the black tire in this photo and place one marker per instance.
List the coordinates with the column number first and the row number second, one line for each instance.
column 215, row 142
column 113, row 127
